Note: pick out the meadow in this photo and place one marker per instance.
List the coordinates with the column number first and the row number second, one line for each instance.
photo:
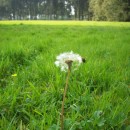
column 31, row 86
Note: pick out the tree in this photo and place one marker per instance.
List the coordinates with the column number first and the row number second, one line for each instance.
column 110, row 10
column 80, row 9
column 55, row 8
column 4, row 8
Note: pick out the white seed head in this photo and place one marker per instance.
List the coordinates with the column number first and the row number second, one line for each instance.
column 62, row 58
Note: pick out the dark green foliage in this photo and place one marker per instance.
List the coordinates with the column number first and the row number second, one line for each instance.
column 99, row 10
column 109, row 10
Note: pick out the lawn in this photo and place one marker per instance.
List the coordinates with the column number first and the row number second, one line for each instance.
column 31, row 86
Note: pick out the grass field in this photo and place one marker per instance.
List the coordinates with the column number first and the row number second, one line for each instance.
column 31, row 86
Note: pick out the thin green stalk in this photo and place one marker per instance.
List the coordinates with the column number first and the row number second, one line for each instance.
column 69, row 63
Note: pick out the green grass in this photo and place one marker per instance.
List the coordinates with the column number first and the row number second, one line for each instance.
column 98, row 97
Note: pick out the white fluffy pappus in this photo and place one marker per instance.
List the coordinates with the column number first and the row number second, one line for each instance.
column 62, row 58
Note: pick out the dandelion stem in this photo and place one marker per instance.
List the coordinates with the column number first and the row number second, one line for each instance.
column 69, row 63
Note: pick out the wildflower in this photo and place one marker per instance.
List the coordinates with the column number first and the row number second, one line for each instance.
column 61, row 60
column 65, row 61
column 14, row 75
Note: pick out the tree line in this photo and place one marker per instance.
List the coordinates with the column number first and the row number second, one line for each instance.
column 99, row 10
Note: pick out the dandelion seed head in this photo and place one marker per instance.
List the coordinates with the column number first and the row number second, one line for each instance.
column 68, row 56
